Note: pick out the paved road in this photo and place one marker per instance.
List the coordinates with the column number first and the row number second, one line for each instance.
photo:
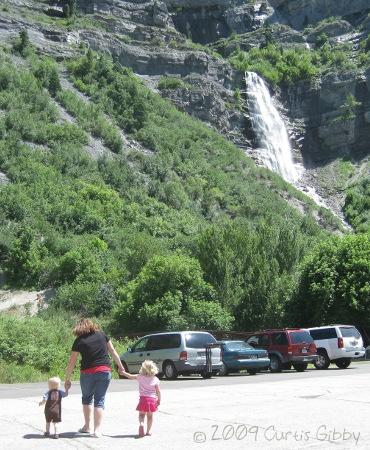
column 33, row 389
column 311, row 410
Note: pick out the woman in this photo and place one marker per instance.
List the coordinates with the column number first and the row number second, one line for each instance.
column 94, row 347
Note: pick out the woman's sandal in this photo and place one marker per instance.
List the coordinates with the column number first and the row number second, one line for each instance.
column 47, row 434
column 81, row 430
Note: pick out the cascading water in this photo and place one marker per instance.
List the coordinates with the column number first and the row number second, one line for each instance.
column 274, row 150
column 272, row 136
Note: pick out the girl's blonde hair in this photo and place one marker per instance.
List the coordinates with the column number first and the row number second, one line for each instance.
column 54, row 383
column 85, row 326
column 148, row 368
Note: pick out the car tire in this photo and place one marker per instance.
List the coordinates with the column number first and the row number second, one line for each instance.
column 170, row 371
column 323, row 361
column 252, row 371
column 206, row 375
column 342, row 363
column 224, row 370
column 121, row 377
column 300, row 367
column 275, row 364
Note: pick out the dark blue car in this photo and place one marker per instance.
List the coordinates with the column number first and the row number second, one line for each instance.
column 238, row 355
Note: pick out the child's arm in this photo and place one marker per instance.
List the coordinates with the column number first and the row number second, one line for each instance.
column 158, row 392
column 44, row 398
column 127, row 375
column 64, row 393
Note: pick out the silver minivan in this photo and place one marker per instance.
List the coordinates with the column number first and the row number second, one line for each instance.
column 175, row 353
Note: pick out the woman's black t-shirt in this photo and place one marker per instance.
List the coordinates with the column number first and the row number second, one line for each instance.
column 93, row 349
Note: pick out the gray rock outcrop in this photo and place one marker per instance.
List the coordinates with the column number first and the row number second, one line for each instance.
column 3, row 178
column 332, row 128
column 299, row 13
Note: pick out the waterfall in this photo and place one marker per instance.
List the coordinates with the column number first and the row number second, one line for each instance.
column 274, row 147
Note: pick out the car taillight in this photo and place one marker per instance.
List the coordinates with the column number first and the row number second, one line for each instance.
column 313, row 347
column 183, row 356
column 290, row 349
column 340, row 343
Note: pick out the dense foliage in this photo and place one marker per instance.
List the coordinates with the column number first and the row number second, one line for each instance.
column 357, row 205
column 170, row 293
column 335, row 283
column 276, row 64
column 33, row 348
column 98, row 230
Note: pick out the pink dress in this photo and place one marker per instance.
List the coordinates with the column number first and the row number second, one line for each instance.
column 148, row 396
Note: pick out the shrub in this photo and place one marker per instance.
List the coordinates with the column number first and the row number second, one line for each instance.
column 278, row 65
column 46, row 72
column 22, row 44
column 171, row 83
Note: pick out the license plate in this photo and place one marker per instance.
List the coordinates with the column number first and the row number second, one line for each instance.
column 253, row 357
column 304, row 350
column 202, row 354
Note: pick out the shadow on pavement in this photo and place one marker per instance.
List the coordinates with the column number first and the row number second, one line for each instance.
column 67, row 435
column 123, row 436
column 34, row 436
column 73, row 435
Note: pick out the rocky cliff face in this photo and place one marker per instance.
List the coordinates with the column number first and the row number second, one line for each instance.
column 300, row 13
column 327, row 134
column 203, row 21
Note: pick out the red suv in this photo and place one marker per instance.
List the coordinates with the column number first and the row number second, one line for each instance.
column 286, row 347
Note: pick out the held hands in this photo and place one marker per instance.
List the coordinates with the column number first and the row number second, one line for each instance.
column 122, row 372
column 67, row 385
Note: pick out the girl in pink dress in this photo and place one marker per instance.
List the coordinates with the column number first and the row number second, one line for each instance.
column 150, row 394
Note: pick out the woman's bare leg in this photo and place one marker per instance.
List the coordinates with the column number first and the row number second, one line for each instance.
column 98, row 417
column 87, row 409
column 47, row 427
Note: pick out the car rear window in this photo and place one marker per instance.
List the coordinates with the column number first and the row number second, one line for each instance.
column 232, row 346
column 279, row 339
column 198, row 340
column 349, row 332
column 323, row 333
column 298, row 337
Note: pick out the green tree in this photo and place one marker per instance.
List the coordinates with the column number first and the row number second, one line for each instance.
column 334, row 284
column 357, row 205
column 321, row 40
column 348, row 108
column 66, row 10
column 169, row 293
column 22, row 44
column 69, row 9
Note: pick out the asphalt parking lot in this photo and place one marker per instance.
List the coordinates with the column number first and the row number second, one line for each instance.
column 310, row 410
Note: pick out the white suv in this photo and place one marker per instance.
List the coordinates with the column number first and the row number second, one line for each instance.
column 338, row 344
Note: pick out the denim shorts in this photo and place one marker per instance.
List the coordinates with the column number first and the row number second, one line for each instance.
column 94, row 386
